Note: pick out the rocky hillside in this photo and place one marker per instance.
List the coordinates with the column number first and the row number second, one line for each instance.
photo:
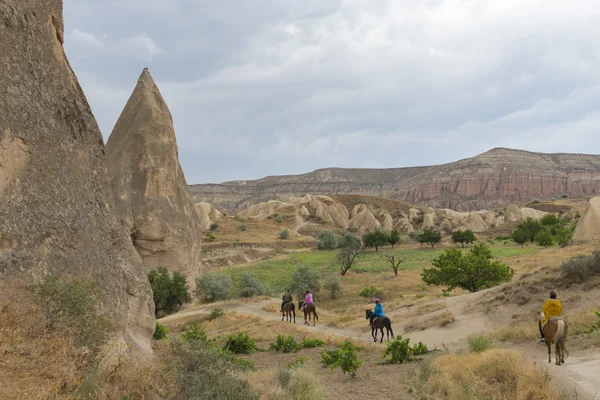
column 493, row 179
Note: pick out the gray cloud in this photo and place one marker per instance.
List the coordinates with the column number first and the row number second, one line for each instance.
column 263, row 88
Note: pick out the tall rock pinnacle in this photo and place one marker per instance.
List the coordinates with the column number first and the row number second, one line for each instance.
column 56, row 206
column 151, row 195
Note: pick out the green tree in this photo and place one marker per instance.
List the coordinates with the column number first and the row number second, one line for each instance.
column 333, row 285
column 394, row 238
column 473, row 271
column 326, row 240
column 304, row 279
column 250, row 286
column 169, row 292
column 349, row 240
column 375, row 239
column 429, row 236
column 520, row 237
column 213, row 286
column 544, row 237
column 564, row 235
column 463, row 237
column 531, row 227
column 346, row 257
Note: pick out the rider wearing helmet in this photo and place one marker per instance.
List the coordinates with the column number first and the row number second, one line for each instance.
column 552, row 308
column 377, row 311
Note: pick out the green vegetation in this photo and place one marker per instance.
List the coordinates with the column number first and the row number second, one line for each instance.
column 346, row 257
column 213, row 227
column 326, row 240
column 333, row 285
column 394, row 238
column 304, row 279
column 169, row 292
column 479, row 342
column 213, row 286
column 401, row 351
column 345, row 357
column 160, row 332
column 582, row 267
column 544, row 238
column 349, row 240
column 429, row 236
column 311, row 343
column 298, row 382
column 242, row 227
column 215, row 313
column 375, row 239
column 463, row 237
column 241, row 343
column 370, row 292
column 284, row 234
column 252, row 287
column 472, row 272
column 286, row 344
column 395, row 263
column 520, row 237
column 545, row 232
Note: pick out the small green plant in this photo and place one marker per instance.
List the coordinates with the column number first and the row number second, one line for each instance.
column 194, row 332
column 279, row 218
column 399, row 350
column 213, row 227
column 160, row 332
column 209, row 237
column 311, row 343
column 287, row 344
column 215, row 313
column 596, row 326
column 419, row 349
column 345, row 358
column 242, row 227
column 297, row 363
column 479, row 342
column 284, row 234
column 370, row 291
column 241, row 343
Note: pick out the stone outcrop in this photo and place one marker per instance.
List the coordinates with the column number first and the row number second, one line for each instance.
column 151, row 196
column 493, row 179
column 588, row 227
column 56, row 206
column 207, row 215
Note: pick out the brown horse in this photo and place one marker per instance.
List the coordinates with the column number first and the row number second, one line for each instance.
column 289, row 310
column 555, row 331
column 309, row 309
column 380, row 323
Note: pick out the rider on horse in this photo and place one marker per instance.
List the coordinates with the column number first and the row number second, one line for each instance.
column 552, row 308
column 286, row 298
column 308, row 299
column 377, row 312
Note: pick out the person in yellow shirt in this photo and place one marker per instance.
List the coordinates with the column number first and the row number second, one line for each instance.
column 552, row 308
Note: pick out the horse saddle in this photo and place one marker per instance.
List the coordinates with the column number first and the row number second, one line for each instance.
column 553, row 319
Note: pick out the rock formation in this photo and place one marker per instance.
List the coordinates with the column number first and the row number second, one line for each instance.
column 588, row 226
column 207, row 215
column 56, row 207
column 493, row 179
column 151, row 196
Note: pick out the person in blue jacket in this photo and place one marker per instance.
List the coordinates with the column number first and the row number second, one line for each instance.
column 378, row 311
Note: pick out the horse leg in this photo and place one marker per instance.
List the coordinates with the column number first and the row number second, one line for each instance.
column 374, row 333
column 294, row 314
column 549, row 344
column 314, row 318
column 381, row 329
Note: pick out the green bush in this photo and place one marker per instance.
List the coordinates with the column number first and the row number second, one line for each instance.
column 279, row 219
column 206, row 373
column 284, row 234
column 544, row 238
column 479, row 342
column 304, row 279
column 209, row 237
column 429, row 236
column 311, row 343
column 419, row 349
column 287, row 344
column 215, row 313
column 595, row 326
column 581, row 267
column 349, row 240
column 169, row 292
column 213, row 286
column 242, row 227
column 250, row 286
column 326, row 240
column 345, row 358
column 194, row 332
column 213, row 227
column 370, row 292
column 333, row 285
column 73, row 306
column 241, row 343
column 160, row 332
column 400, row 351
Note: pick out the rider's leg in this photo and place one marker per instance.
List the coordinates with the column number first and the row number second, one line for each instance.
column 282, row 306
column 541, row 330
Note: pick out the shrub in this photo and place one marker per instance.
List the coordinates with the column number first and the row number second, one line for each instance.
column 213, row 227
column 429, row 236
column 400, row 351
column 581, row 267
column 299, row 382
column 241, row 343
column 311, row 343
column 520, row 237
column 287, row 344
column 531, row 227
column 345, row 357
column 472, row 272
column 349, row 240
column 205, row 373
column 215, row 313
column 304, row 279
column 479, row 342
column 73, row 306
column 463, row 237
column 169, row 292
column 194, row 332
column 284, row 234
column 419, row 349
column 213, row 286
column 209, row 237
column 279, row 219
column 326, row 240
column 333, row 285
column 250, row 286
column 370, row 292
column 375, row 239
column 394, row 238
column 242, row 227
column 346, row 257
column 160, row 332
column 563, row 235
column 544, row 238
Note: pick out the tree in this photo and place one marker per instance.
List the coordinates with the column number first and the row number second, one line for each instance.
column 375, row 239
column 531, row 227
column 473, row 271
column 463, row 237
column 544, row 237
column 304, row 279
column 520, row 237
column 326, row 240
column 349, row 240
column 169, row 292
column 395, row 263
column 394, row 237
column 429, row 236
column 346, row 257
column 213, row 286
column 332, row 284
column 564, row 235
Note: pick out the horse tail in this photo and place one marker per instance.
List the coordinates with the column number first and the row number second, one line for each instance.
column 315, row 313
column 388, row 325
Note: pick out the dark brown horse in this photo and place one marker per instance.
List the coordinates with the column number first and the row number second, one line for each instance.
column 380, row 323
column 555, row 331
column 309, row 309
column 289, row 310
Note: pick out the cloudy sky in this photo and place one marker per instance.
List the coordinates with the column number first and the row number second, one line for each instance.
column 275, row 87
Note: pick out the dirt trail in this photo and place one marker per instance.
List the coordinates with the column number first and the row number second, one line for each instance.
column 578, row 377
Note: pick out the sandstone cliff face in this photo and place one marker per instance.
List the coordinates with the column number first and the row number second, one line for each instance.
column 588, row 227
column 56, row 208
column 151, row 196
column 494, row 179
column 207, row 215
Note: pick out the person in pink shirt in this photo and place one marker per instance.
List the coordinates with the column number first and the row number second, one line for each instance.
column 308, row 299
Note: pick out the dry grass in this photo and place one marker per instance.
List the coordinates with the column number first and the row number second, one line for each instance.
column 281, row 384
column 493, row 374
column 439, row 319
